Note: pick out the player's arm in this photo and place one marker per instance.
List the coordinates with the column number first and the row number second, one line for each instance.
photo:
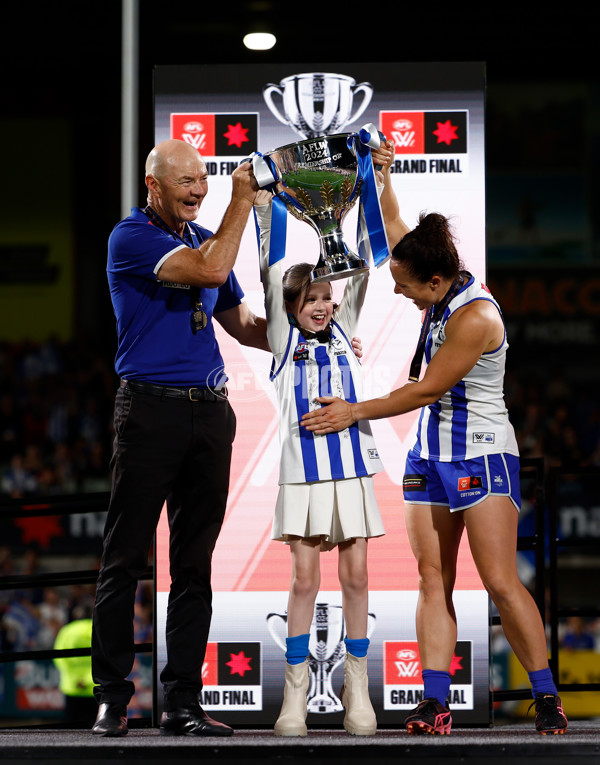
column 469, row 333
column 395, row 227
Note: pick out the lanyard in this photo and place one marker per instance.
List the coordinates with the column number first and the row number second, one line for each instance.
column 432, row 315
column 160, row 223
column 198, row 318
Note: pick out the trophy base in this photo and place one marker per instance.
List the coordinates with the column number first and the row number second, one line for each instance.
column 329, row 272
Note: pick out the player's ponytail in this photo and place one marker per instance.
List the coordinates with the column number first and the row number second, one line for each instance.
column 429, row 249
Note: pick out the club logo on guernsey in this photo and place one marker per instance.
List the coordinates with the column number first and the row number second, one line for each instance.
column 337, row 346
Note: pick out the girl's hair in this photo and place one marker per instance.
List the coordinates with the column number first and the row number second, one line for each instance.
column 429, row 249
column 296, row 282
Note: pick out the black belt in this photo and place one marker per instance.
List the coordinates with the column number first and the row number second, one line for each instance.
column 191, row 394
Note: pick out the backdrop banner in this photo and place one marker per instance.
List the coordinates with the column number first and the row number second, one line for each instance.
column 434, row 113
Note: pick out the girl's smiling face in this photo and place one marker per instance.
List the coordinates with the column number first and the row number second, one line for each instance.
column 314, row 309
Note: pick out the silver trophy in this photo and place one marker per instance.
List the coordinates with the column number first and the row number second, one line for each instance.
column 317, row 103
column 319, row 184
column 326, row 652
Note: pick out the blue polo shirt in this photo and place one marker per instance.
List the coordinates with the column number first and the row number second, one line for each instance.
column 155, row 339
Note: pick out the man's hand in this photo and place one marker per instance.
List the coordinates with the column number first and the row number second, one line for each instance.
column 335, row 415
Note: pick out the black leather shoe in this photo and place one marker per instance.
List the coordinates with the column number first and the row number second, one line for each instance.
column 191, row 721
column 111, row 720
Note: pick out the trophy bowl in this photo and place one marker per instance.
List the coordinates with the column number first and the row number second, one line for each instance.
column 317, row 103
column 319, row 183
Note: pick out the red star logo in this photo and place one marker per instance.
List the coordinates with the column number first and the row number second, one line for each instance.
column 41, row 529
column 446, row 132
column 236, row 135
column 239, row 663
column 455, row 664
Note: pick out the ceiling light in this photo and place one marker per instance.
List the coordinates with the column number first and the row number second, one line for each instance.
column 259, row 40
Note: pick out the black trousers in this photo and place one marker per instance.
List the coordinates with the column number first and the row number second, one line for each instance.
column 178, row 451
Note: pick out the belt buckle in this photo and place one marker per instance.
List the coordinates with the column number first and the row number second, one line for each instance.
column 190, row 394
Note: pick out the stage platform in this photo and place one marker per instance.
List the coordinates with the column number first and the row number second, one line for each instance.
column 518, row 743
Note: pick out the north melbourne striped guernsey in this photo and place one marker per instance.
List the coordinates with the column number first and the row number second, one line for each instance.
column 303, row 369
column 471, row 419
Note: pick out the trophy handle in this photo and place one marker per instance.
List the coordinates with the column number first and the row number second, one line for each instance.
column 279, row 640
column 268, row 89
column 367, row 89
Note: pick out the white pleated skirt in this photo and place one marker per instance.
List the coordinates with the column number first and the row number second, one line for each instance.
column 336, row 511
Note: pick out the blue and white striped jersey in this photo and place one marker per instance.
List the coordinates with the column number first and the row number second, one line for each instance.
column 303, row 369
column 471, row 419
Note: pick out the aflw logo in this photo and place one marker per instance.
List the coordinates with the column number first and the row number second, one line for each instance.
column 403, row 133
column 404, row 140
column 407, row 668
column 197, row 141
column 194, row 134
column 402, row 662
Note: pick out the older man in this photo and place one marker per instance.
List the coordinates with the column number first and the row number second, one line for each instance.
column 169, row 278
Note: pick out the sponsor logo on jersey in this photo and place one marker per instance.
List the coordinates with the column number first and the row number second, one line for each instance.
column 484, row 438
column 176, row 285
column 413, row 482
column 470, row 482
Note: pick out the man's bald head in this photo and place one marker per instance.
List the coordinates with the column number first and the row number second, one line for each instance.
column 167, row 156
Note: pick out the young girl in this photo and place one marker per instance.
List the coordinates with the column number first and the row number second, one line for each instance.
column 326, row 495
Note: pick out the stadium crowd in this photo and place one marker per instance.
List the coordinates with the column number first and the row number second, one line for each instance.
column 56, row 432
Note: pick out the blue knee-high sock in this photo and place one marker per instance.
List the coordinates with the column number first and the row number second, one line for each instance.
column 436, row 685
column 297, row 649
column 357, row 646
column 542, row 682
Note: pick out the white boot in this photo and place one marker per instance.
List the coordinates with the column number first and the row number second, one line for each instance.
column 360, row 717
column 292, row 718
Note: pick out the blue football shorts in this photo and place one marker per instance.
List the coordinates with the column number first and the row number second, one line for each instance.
column 459, row 485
